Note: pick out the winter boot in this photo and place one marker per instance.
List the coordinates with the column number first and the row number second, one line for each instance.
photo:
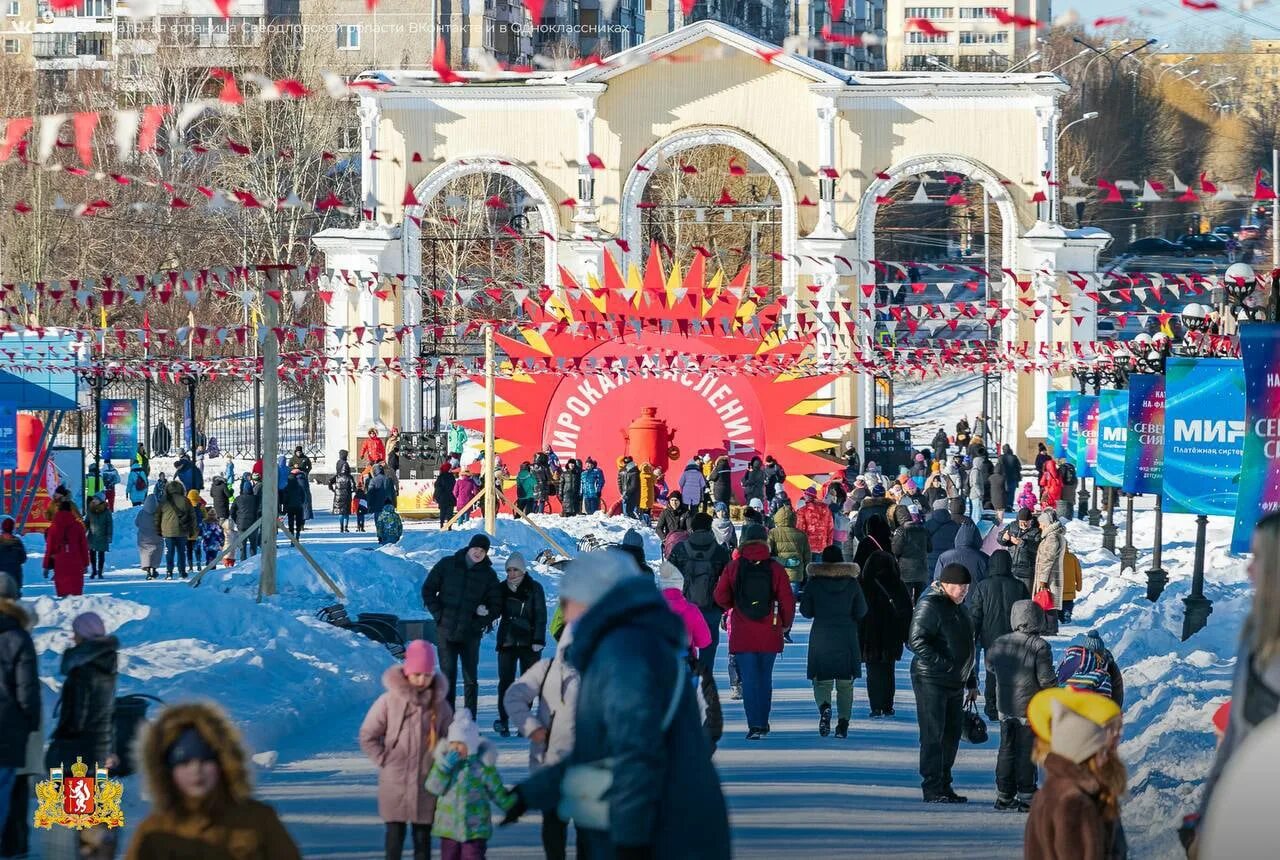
column 754, row 734
column 824, row 719
column 1008, row 804
column 501, row 728
column 169, row 575
column 842, row 728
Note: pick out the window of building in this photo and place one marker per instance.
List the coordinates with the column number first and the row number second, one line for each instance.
column 969, row 37
column 91, row 44
column 54, row 44
column 11, row 46
column 348, row 37
column 915, row 37
column 87, row 9
column 12, row 9
column 978, row 12
column 929, row 11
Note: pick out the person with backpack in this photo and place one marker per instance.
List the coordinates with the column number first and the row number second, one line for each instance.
column 756, row 592
column 1022, row 537
column 990, row 605
column 136, row 485
column 1021, row 662
column 592, row 483
column 835, row 602
column 883, row 630
column 522, row 630
column 701, row 560
column 388, row 525
column 910, row 544
column 110, row 480
column 553, row 683
column 790, row 547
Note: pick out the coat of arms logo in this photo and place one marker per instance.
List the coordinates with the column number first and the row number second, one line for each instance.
column 77, row 800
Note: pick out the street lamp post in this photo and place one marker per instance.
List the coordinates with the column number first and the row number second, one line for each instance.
column 1199, row 607
column 1148, row 355
column 1128, row 552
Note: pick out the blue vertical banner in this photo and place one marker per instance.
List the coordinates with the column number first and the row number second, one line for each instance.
column 8, row 435
column 1260, row 468
column 1059, row 422
column 119, row 429
column 1113, row 434
column 1204, row 430
column 1084, row 439
column 1144, row 454
column 1072, row 427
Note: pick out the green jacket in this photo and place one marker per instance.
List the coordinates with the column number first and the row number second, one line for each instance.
column 466, row 788
column 174, row 515
column 526, row 484
column 789, row 545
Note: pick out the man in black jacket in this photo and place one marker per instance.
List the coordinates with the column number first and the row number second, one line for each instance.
column 990, row 605
column 941, row 672
column 464, row 596
column 245, row 511
column 442, row 492
column 522, row 632
column 942, row 526
column 1022, row 537
column 19, row 689
column 675, row 517
column 701, row 559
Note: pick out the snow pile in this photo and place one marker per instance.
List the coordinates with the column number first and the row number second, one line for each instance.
column 926, row 406
column 1171, row 687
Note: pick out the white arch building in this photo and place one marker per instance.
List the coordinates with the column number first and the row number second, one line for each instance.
column 708, row 84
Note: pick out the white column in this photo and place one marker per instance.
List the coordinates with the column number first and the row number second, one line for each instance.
column 1047, row 159
column 585, row 218
column 411, row 385
column 368, row 397
column 827, row 113
column 369, row 113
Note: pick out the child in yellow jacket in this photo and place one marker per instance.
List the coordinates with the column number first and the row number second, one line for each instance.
column 1072, row 582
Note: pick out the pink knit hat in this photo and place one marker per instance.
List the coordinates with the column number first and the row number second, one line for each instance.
column 419, row 658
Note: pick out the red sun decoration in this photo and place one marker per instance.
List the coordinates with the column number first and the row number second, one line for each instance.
column 605, row 387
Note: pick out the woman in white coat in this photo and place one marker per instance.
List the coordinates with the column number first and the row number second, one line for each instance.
column 150, row 543
column 553, row 684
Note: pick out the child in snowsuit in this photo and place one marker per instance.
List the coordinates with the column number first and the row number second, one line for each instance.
column 211, row 535
column 1022, row 663
column 1027, row 497
column 389, row 525
column 465, row 778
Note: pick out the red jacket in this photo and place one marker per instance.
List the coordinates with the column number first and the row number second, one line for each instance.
column 1052, row 485
column 372, row 450
column 747, row 635
column 66, row 553
column 814, row 519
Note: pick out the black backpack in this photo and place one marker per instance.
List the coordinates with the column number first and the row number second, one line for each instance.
column 753, row 592
column 1067, row 473
column 699, row 576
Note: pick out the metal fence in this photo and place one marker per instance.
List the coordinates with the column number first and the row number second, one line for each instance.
column 228, row 417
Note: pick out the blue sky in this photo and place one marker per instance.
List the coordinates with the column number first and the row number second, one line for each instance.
column 1184, row 28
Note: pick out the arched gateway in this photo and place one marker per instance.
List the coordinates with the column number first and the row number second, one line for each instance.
column 577, row 151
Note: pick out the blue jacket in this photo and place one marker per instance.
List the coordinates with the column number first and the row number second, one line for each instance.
column 666, row 793
column 592, row 483
column 692, row 483
column 191, row 477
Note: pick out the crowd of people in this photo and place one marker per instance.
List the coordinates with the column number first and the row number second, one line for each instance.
column 615, row 690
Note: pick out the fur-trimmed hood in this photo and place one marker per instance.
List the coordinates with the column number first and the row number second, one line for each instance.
column 395, row 683
column 487, row 751
column 834, row 570
column 23, row 616
column 218, row 732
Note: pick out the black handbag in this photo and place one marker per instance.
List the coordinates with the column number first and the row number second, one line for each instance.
column 974, row 729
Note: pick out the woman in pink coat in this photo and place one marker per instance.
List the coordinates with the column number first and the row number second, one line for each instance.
column 671, row 582
column 66, row 552
column 399, row 735
column 464, row 490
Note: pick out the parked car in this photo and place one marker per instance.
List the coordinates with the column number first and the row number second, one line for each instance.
column 1154, row 246
column 1251, row 231
column 1204, row 243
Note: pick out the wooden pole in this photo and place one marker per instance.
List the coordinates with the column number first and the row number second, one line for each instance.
column 521, row 515
column 462, row 511
column 271, row 430
column 490, row 472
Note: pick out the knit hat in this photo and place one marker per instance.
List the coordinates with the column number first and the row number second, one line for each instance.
column 193, row 496
column 88, row 625
column 516, row 560
column 419, row 658
column 722, row 508
column 632, row 538
column 479, row 540
column 878, row 491
column 590, row 576
column 758, row 505
column 700, row 522
column 8, row 587
column 190, row 746
column 463, row 730
column 1025, row 515
column 1074, row 723
column 669, row 576
column 832, row 555
column 1093, row 641
column 955, row 574
column 753, row 532
column 811, row 492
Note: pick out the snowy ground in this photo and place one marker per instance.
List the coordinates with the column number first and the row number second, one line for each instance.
column 926, row 406
column 299, row 688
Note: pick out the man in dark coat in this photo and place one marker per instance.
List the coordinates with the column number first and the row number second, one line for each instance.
column 541, row 482
column 834, row 600
column 221, row 498
column 1012, row 467
column 636, row 712
column 875, row 504
column 294, row 500
column 701, row 559
column 629, row 487
column 19, row 689
column 967, row 551
column 442, row 492
column 571, row 489
column 464, row 596
column 942, row 641
column 940, row 444
column 86, row 715
column 1022, row 663
column 675, row 517
column 245, row 511
column 942, row 525
column 302, row 463
column 378, row 490
column 522, row 631
column 911, row 547
column 990, row 602
column 774, row 474
column 753, row 481
column 1022, row 537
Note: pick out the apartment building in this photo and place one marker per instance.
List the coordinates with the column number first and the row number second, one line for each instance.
column 973, row 39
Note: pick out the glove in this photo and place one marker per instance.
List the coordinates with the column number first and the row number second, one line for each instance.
column 482, row 611
column 517, row 809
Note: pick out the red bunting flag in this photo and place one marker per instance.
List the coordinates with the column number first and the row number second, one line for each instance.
column 1262, row 190
column 924, row 25
column 440, row 65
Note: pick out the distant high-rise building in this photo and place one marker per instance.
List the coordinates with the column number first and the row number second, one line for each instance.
column 973, row 39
